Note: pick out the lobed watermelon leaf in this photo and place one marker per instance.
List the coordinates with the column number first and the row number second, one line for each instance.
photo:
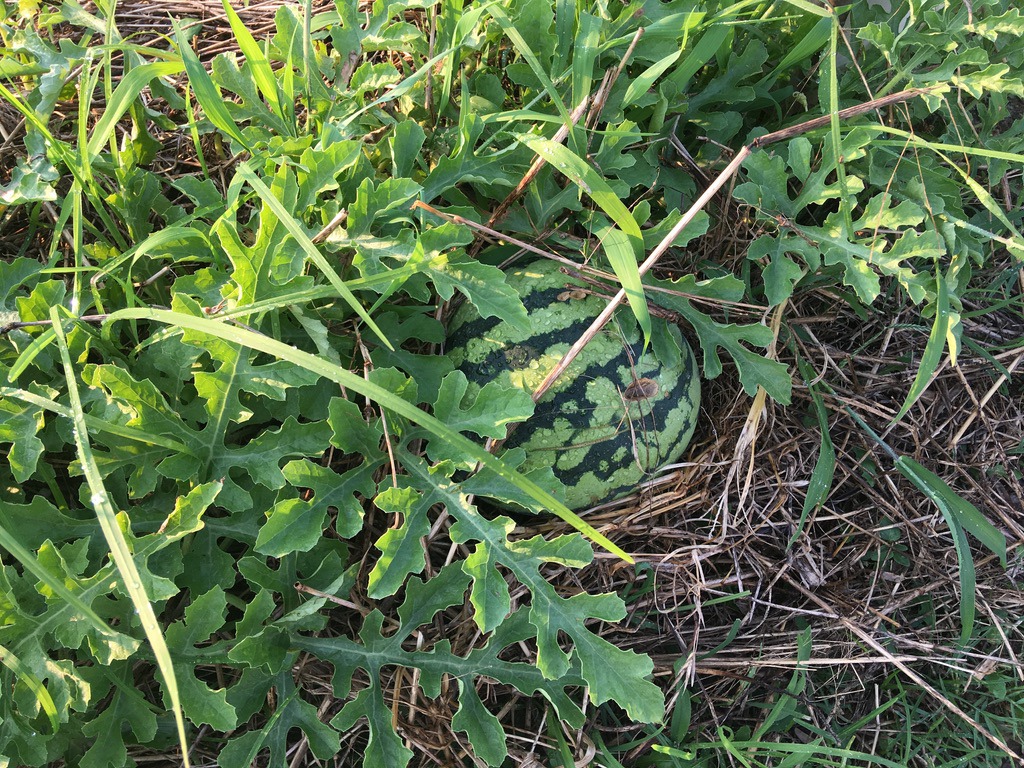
column 487, row 414
column 203, row 618
column 754, row 370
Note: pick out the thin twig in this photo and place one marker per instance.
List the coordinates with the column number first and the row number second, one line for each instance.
column 649, row 262
column 332, row 225
column 843, row 114
column 538, row 162
column 491, row 233
column 595, row 104
column 601, row 97
column 8, row 327
column 713, row 188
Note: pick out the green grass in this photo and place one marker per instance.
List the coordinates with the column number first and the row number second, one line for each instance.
column 219, row 402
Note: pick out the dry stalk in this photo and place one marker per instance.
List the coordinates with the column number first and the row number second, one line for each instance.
column 699, row 204
column 538, row 162
column 606, row 314
column 562, row 134
column 492, row 233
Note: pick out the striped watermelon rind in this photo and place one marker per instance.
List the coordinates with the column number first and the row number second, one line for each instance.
column 615, row 416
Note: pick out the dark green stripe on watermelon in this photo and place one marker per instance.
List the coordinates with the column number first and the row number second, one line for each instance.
column 617, row 413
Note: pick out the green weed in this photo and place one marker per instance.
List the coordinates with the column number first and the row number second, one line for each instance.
column 222, row 388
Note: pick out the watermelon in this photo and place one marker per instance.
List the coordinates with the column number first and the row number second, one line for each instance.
column 615, row 416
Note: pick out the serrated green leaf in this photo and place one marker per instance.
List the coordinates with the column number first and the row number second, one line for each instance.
column 423, row 599
column 261, row 458
column 549, row 613
column 20, row 424
column 613, row 674
column 266, row 649
column 490, row 596
column 33, row 683
column 291, row 712
column 307, row 246
column 378, row 394
column 111, row 645
column 488, row 414
column 377, row 650
column 127, row 569
column 32, row 181
column 33, row 523
column 126, row 710
column 373, row 201
column 321, row 166
column 483, row 285
column 184, row 519
column 401, row 551
column 202, row 704
column 405, row 144
column 426, row 370
column 290, row 527
column 782, row 273
column 467, row 165
column 754, row 370
column 383, row 747
column 295, row 525
column 352, row 433
column 992, row 79
column 271, row 266
column 481, row 727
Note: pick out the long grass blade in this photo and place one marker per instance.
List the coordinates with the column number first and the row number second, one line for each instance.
column 584, row 54
column 960, row 511
column 309, row 248
column 37, row 345
column 124, row 95
column 381, row 396
column 34, row 684
column 639, row 85
column 959, row 514
column 509, row 28
column 807, row 46
column 262, row 73
column 825, row 467
column 623, row 248
column 700, row 54
column 206, row 91
column 807, row 752
column 119, row 550
column 941, row 334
